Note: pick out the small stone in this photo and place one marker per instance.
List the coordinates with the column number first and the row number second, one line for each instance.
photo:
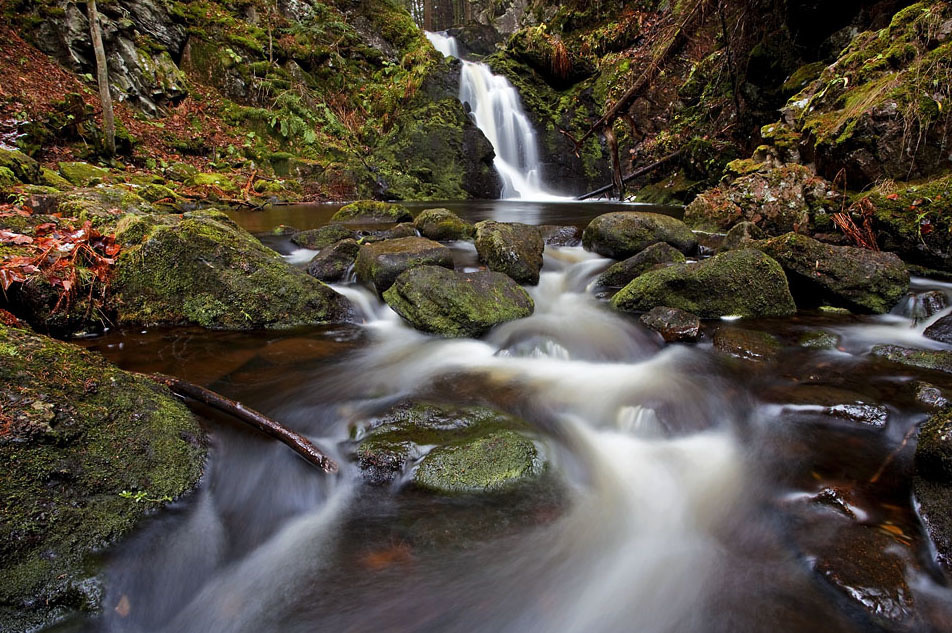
column 747, row 344
column 674, row 325
column 930, row 396
column 555, row 235
column 819, row 339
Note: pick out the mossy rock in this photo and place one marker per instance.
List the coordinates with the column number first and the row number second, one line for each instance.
column 24, row 168
column 8, row 179
column 89, row 451
column 742, row 283
column 372, row 212
column 747, row 344
column 936, row 360
column 154, row 193
column 491, row 463
column 380, row 263
column 219, row 181
column 622, row 234
column 511, row 248
column 333, row 262
column 316, row 239
column 83, row 174
column 443, row 225
column 856, row 278
column 622, row 273
column 452, row 304
column 181, row 172
column 818, row 339
column 741, row 235
column 933, row 482
column 101, row 205
column 50, row 178
column 207, row 271
column 934, row 451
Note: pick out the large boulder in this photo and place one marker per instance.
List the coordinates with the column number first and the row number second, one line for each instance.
column 316, row 239
column 334, row 261
column 380, row 263
column 87, row 451
column 372, row 212
column 855, row 278
column 622, row 273
column 443, row 225
column 23, row 168
column 445, row 302
column 83, row 174
column 205, row 270
column 511, row 248
column 623, row 234
column 743, row 282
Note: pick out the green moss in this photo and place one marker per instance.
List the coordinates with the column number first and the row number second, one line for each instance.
column 371, row 211
column 50, row 178
column 926, row 359
column 82, row 174
column 490, row 463
column 7, row 179
column 214, row 180
column 24, row 168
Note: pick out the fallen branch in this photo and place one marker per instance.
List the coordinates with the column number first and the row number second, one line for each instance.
column 298, row 443
column 894, row 454
column 638, row 172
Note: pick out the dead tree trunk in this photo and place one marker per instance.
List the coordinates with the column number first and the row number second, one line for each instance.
column 102, row 74
column 618, row 181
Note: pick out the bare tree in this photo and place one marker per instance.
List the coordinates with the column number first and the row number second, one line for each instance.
column 102, row 74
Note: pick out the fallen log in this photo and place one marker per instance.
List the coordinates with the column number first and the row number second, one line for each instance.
column 638, row 172
column 297, row 442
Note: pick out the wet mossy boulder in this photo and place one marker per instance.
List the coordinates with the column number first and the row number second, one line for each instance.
column 741, row 235
column 316, row 239
column 372, row 212
column 213, row 180
column 23, row 168
column 7, row 179
column 936, row 360
column 855, row 278
column 443, row 225
column 622, row 234
column 204, row 270
column 380, row 263
column 452, row 304
column 512, row 248
column 88, row 450
column 740, row 283
column 83, row 174
column 459, row 450
column 933, row 482
column 334, row 261
column 622, row 273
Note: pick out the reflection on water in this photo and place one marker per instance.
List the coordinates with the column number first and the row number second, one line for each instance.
column 678, row 496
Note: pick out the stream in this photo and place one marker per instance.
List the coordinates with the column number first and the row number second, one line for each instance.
column 686, row 490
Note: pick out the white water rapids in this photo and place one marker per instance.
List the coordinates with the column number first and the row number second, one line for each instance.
column 498, row 112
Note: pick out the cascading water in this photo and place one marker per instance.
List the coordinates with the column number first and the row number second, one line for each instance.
column 498, row 112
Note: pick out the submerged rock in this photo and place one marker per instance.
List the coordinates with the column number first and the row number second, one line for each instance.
column 316, row 239
column 743, row 283
column 675, row 326
column 623, row 234
column 443, row 225
column 926, row 359
column 334, row 261
column 622, row 273
column 931, row 396
column 448, row 303
column 205, row 270
column 747, row 344
column 372, row 212
column 819, row 339
column 860, row 279
column 380, row 263
column 511, row 248
column 87, row 450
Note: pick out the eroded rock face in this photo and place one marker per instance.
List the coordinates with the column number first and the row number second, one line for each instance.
column 380, row 263
column 81, row 432
column 511, row 248
column 448, row 303
column 744, row 282
column 855, row 278
column 623, row 234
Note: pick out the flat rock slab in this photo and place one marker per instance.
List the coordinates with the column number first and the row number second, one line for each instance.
column 747, row 344
column 623, row 234
column 511, row 248
column 380, row 263
column 448, row 303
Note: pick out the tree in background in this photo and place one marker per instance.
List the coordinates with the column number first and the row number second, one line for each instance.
column 102, row 74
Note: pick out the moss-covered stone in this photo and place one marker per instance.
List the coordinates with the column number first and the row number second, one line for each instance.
column 494, row 462
column 181, row 172
column 934, row 451
column 655, row 256
column 24, row 168
column 743, row 283
column 335, row 261
column 154, row 193
column 207, row 271
column 444, row 302
column 856, row 278
column 218, row 181
column 747, row 344
column 818, row 339
column 623, row 234
column 741, row 235
column 380, row 263
column 7, row 179
column 926, row 359
column 511, row 248
column 87, row 451
column 372, row 212
column 50, row 178
column 443, row 225
column 316, row 239
column 83, row 174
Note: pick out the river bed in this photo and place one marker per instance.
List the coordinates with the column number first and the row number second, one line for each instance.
column 686, row 490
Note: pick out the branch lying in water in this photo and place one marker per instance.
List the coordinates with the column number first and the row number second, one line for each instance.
column 300, row 444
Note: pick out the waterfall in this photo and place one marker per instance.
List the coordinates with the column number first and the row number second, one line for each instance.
column 498, row 112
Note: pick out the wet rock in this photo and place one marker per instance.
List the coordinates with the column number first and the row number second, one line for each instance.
column 926, row 359
column 934, row 500
column 868, row 414
column 333, row 262
column 316, row 239
column 554, row 235
column 284, row 229
column 675, row 326
column 486, row 464
column 934, row 451
column 442, row 301
column 88, row 451
column 837, row 499
column 923, row 305
column 623, row 234
column 372, row 212
column 747, row 344
column 819, row 339
column 511, row 248
column 834, row 310
column 622, row 273
column 82, row 174
column 857, row 278
column 743, row 283
column 443, row 225
column 380, row 263
column 831, row 402
column 941, row 330
column 931, row 396
column 741, row 235
column 203, row 269
column 777, row 200
column 404, row 229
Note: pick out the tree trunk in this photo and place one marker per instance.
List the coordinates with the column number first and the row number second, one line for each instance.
column 102, row 72
column 618, row 181
column 427, row 15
